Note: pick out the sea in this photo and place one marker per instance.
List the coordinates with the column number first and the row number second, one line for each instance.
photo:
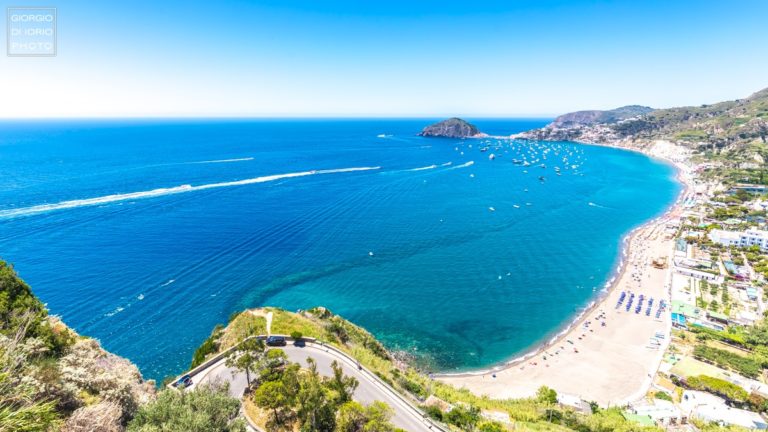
column 145, row 234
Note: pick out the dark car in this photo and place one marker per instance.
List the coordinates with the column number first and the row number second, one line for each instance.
column 184, row 381
column 276, row 341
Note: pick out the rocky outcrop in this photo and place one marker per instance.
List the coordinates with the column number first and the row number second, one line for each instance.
column 68, row 381
column 451, row 128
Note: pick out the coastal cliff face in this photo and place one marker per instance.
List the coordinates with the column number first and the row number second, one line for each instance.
column 587, row 118
column 451, row 128
column 723, row 127
column 51, row 378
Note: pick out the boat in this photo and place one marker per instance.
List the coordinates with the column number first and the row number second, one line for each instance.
column 491, row 209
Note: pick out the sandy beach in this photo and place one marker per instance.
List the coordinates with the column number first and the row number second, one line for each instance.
column 607, row 355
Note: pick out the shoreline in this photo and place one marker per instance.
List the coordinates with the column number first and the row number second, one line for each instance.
column 600, row 300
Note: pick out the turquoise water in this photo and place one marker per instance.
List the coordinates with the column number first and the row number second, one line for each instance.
column 145, row 234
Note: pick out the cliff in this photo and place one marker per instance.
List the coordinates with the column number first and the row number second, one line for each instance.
column 586, row 118
column 725, row 127
column 451, row 128
column 51, row 378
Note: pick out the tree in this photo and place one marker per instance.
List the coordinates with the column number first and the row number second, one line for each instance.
column 315, row 409
column 271, row 364
column 272, row 395
column 343, row 385
column 353, row 417
column 247, row 357
column 546, row 395
column 465, row 418
column 207, row 408
column 296, row 335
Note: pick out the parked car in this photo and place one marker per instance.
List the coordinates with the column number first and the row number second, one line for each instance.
column 276, row 341
column 184, row 382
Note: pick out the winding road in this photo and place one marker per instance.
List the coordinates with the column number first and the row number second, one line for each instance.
column 370, row 389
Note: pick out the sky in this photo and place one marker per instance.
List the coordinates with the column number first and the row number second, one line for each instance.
column 356, row 58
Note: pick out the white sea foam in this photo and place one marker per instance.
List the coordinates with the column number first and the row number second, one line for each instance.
column 44, row 208
column 114, row 312
column 168, row 283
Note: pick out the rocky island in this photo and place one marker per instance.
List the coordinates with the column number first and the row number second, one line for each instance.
column 451, row 128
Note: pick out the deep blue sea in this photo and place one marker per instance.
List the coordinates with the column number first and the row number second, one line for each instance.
column 145, row 234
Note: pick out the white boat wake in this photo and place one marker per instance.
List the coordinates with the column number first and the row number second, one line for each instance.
column 223, row 161
column 464, row 165
column 423, row 168
column 44, row 208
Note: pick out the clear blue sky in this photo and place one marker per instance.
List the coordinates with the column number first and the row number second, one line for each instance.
column 392, row 58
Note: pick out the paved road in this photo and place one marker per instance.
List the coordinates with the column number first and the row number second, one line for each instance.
column 369, row 389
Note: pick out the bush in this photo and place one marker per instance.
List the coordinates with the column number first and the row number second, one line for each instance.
column 19, row 308
column 413, row 387
column 296, row 335
column 662, row 396
column 491, row 427
column 434, row 412
column 205, row 409
column 210, row 346
column 720, row 387
column 337, row 330
column 464, row 418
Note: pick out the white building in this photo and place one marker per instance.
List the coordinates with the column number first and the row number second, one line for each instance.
column 710, row 408
column 746, row 238
column 662, row 412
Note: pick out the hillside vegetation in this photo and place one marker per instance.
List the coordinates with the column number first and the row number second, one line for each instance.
column 731, row 124
column 468, row 411
column 54, row 379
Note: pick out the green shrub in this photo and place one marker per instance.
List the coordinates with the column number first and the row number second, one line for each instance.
column 412, row 387
column 210, row 346
column 204, row 409
column 464, row 418
column 434, row 412
column 20, row 308
column 718, row 386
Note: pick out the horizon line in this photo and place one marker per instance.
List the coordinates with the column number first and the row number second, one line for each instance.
column 288, row 117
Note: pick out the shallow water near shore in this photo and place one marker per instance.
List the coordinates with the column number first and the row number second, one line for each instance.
column 145, row 234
